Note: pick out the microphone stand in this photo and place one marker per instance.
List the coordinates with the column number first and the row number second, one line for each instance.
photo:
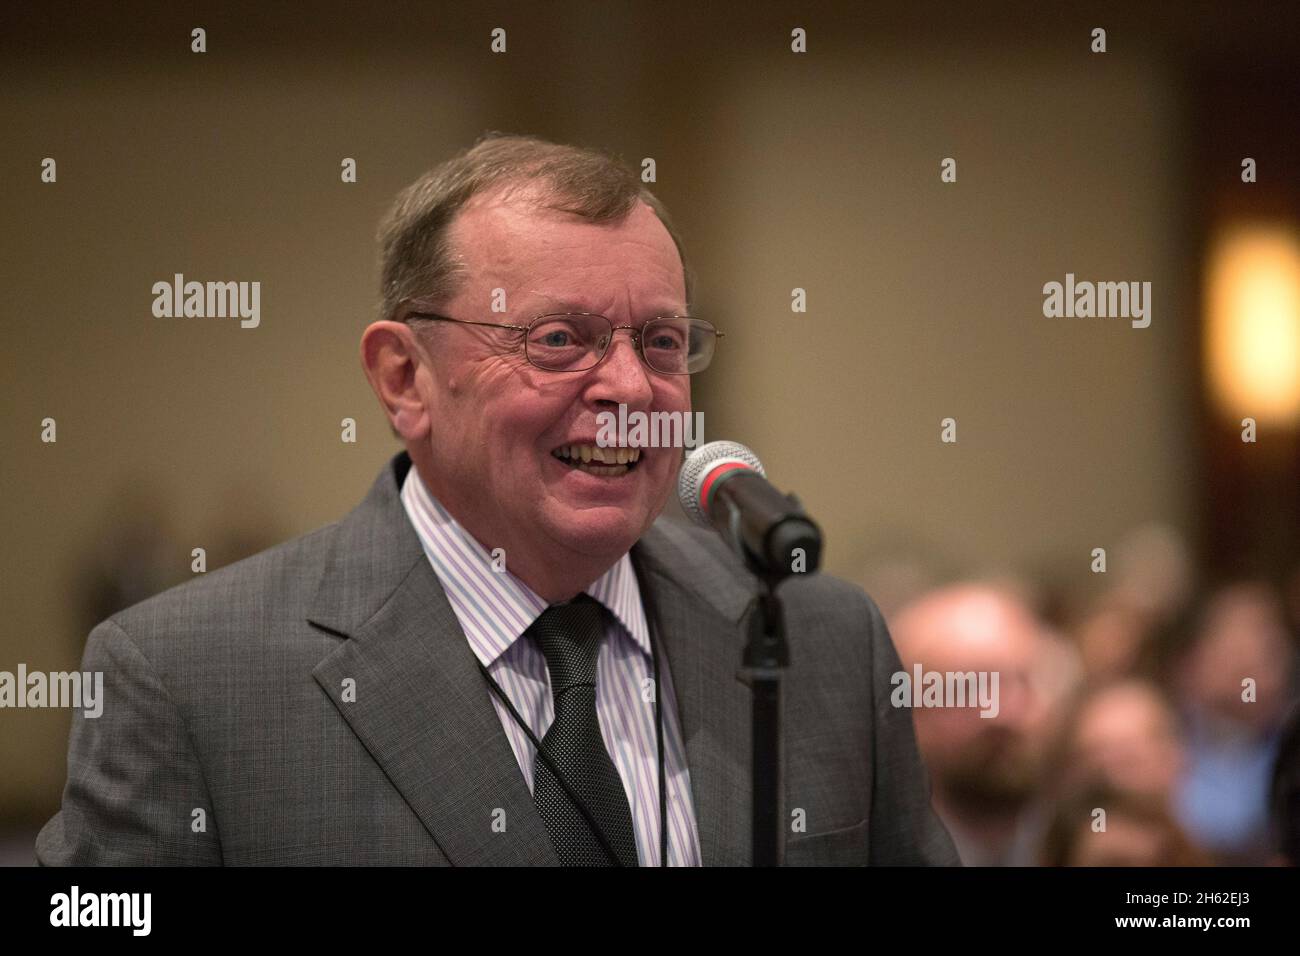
column 765, row 658
column 769, row 531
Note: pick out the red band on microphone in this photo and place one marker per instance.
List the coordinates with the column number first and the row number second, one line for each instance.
column 713, row 476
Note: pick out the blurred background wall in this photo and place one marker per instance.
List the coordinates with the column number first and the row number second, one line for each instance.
column 819, row 171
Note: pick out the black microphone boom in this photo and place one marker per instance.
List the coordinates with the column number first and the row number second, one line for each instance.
column 722, row 485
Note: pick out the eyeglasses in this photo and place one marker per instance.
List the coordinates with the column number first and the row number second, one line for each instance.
column 577, row 341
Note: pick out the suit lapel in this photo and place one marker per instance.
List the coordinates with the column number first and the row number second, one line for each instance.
column 698, row 616
column 423, row 712
column 422, row 708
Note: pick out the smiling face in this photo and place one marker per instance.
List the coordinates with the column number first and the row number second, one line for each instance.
column 496, row 422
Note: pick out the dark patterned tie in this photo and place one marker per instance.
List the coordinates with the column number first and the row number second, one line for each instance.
column 569, row 636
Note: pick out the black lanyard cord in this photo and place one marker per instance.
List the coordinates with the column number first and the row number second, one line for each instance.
column 577, row 801
column 659, row 746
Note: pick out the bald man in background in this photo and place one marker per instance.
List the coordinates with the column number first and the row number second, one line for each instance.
column 985, row 770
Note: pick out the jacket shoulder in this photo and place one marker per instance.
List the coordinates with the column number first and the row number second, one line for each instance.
column 270, row 587
column 706, row 560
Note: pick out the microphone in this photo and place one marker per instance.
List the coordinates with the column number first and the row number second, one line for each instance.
column 722, row 485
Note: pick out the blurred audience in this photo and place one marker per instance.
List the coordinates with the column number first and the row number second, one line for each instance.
column 1235, row 685
column 1168, row 715
column 1103, row 826
column 985, row 770
column 1123, row 736
column 1153, row 571
column 1119, row 629
column 1284, row 793
column 1113, row 638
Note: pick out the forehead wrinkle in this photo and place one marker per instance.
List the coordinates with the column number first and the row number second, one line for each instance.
column 564, row 304
column 574, row 305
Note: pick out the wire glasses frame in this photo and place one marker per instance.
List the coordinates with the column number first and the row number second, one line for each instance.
column 578, row 341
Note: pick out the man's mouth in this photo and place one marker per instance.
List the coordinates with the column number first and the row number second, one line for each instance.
column 594, row 460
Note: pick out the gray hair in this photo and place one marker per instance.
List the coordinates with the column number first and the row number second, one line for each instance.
column 417, row 258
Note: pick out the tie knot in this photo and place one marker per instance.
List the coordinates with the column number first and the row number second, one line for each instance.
column 569, row 638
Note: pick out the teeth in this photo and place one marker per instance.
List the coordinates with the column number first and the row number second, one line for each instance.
column 590, row 453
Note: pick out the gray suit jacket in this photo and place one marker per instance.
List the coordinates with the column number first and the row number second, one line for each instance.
column 225, row 737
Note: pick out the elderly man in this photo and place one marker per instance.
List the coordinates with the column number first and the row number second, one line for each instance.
column 500, row 656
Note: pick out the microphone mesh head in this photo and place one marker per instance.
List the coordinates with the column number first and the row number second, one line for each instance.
column 697, row 466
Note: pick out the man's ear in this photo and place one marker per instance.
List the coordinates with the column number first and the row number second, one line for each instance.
column 392, row 357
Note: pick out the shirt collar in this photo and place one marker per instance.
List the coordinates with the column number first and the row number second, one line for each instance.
column 493, row 606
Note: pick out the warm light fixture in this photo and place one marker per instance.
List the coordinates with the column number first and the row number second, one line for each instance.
column 1253, row 323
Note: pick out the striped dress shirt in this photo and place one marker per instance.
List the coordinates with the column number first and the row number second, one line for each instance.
column 495, row 609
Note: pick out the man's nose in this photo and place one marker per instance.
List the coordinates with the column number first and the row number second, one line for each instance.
column 621, row 377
